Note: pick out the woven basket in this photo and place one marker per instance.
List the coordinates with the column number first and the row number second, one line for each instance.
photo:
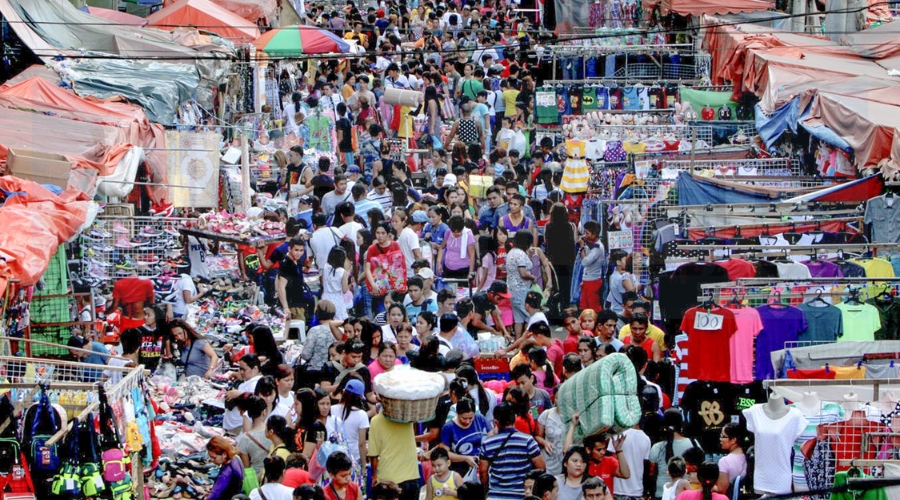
column 403, row 411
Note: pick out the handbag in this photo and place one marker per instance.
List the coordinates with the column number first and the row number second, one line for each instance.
column 67, row 481
column 388, row 269
column 554, row 302
column 41, row 423
column 92, row 483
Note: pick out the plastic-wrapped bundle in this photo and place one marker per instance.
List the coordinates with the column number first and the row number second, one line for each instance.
column 604, row 394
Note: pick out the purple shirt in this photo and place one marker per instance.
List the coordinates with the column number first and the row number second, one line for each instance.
column 452, row 258
column 823, row 269
column 780, row 325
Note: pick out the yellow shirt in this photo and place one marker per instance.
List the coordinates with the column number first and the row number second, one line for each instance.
column 509, row 100
column 347, row 91
column 279, row 451
column 876, row 268
column 654, row 332
column 389, row 441
column 848, row 372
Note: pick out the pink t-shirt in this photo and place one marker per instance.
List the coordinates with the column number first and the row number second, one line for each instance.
column 698, row 495
column 452, row 258
column 748, row 327
column 733, row 464
column 375, row 368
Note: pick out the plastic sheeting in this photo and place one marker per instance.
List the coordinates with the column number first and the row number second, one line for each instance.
column 697, row 190
column 114, row 16
column 42, row 96
column 858, row 190
column 251, row 10
column 867, row 128
column 35, row 225
column 770, row 127
column 701, row 7
column 207, row 16
column 121, row 182
column 158, row 87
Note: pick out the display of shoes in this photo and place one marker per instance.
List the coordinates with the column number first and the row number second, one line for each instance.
column 140, row 241
column 150, row 232
column 124, row 263
column 123, row 242
column 119, row 228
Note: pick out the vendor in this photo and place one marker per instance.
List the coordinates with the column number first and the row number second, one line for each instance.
column 131, row 294
column 90, row 352
column 197, row 355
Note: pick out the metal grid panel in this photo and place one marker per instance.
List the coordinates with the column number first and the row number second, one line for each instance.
column 116, row 245
column 764, row 166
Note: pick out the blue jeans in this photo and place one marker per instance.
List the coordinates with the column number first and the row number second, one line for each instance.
column 362, row 294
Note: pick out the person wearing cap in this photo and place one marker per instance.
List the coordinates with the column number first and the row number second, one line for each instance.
column 353, row 174
column 353, row 418
column 486, row 307
column 305, row 210
column 418, row 219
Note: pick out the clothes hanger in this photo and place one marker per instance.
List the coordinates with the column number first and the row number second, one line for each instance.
column 819, row 299
column 854, row 296
column 792, row 236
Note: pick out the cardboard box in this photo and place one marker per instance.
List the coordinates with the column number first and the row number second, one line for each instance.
column 43, row 168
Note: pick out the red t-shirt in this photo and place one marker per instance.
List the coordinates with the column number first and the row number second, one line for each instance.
column 133, row 289
column 295, row 477
column 605, row 470
column 526, row 425
column 647, row 345
column 571, row 343
column 710, row 349
column 352, row 492
column 555, row 355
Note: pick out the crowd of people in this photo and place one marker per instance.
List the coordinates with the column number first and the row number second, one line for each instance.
column 391, row 262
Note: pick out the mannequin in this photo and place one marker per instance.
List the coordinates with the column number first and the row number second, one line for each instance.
column 816, row 412
column 776, row 427
column 775, row 407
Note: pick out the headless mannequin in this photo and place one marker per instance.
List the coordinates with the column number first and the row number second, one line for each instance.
column 809, row 405
column 775, row 407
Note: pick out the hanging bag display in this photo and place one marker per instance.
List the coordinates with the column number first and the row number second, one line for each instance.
column 388, row 269
column 91, row 479
column 115, row 461
column 41, row 423
column 67, row 481
column 17, row 484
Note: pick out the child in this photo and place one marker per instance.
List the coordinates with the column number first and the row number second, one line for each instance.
column 341, row 486
column 443, row 482
column 390, row 298
column 542, row 370
column 678, row 483
column 131, row 346
column 693, row 459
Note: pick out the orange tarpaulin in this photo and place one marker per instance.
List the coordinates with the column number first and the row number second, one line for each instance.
column 133, row 128
column 207, row 16
column 116, row 16
column 700, row 7
column 251, row 10
column 35, row 225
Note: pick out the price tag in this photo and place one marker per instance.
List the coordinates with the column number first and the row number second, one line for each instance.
column 708, row 321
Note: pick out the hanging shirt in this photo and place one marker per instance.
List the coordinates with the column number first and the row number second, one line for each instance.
column 545, row 107
column 589, row 99
column 780, row 324
column 860, row 322
column 602, row 98
column 823, row 323
column 709, row 340
column 741, row 343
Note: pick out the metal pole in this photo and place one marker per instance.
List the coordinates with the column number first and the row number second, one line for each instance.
column 245, row 173
column 153, row 184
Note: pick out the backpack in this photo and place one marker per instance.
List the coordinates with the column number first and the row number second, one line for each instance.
column 89, row 472
column 41, row 423
column 67, row 480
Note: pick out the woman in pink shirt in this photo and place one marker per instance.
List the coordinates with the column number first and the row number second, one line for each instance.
column 386, row 360
column 707, row 474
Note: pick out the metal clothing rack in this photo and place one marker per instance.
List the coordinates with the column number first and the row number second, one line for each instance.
column 758, row 163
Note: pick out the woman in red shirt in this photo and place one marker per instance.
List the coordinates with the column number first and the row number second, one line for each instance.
column 377, row 263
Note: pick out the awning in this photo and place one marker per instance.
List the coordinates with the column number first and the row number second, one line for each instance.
column 697, row 190
column 251, row 10
column 851, row 192
column 770, row 127
column 114, row 16
column 700, row 7
column 206, row 16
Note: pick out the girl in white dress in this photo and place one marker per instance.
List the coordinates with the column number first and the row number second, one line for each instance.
column 336, row 281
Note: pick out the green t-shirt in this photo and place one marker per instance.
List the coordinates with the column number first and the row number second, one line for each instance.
column 545, row 108
column 471, row 88
column 589, row 99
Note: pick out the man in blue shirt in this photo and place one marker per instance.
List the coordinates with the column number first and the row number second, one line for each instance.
column 98, row 355
column 507, row 456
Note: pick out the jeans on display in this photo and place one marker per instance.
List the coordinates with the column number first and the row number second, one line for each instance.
column 895, row 263
column 610, row 69
column 590, row 67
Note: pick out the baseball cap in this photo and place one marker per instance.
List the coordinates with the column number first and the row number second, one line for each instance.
column 500, row 289
column 355, row 387
column 449, row 180
column 425, row 273
column 419, row 216
column 305, row 199
column 353, row 169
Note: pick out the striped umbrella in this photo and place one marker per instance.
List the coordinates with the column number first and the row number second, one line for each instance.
column 296, row 41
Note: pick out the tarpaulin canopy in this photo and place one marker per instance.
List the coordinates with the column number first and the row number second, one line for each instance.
column 850, row 192
column 251, row 10
column 114, row 16
column 41, row 96
column 771, row 126
column 697, row 190
column 35, row 225
column 701, row 7
column 867, row 127
column 207, row 16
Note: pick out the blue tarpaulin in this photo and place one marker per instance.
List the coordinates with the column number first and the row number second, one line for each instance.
column 772, row 126
column 699, row 191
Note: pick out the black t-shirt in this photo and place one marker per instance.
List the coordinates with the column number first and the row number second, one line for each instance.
column 330, row 374
column 766, row 269
column 152, row 347
column 440, row 418
column 678, row 290
column 311, row 434
column 322, row 185
column 293, row 273
column 293, row 173
column 346, row 145
column 709, row 406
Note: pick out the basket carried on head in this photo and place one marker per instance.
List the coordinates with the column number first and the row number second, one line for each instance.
column 408, row 394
